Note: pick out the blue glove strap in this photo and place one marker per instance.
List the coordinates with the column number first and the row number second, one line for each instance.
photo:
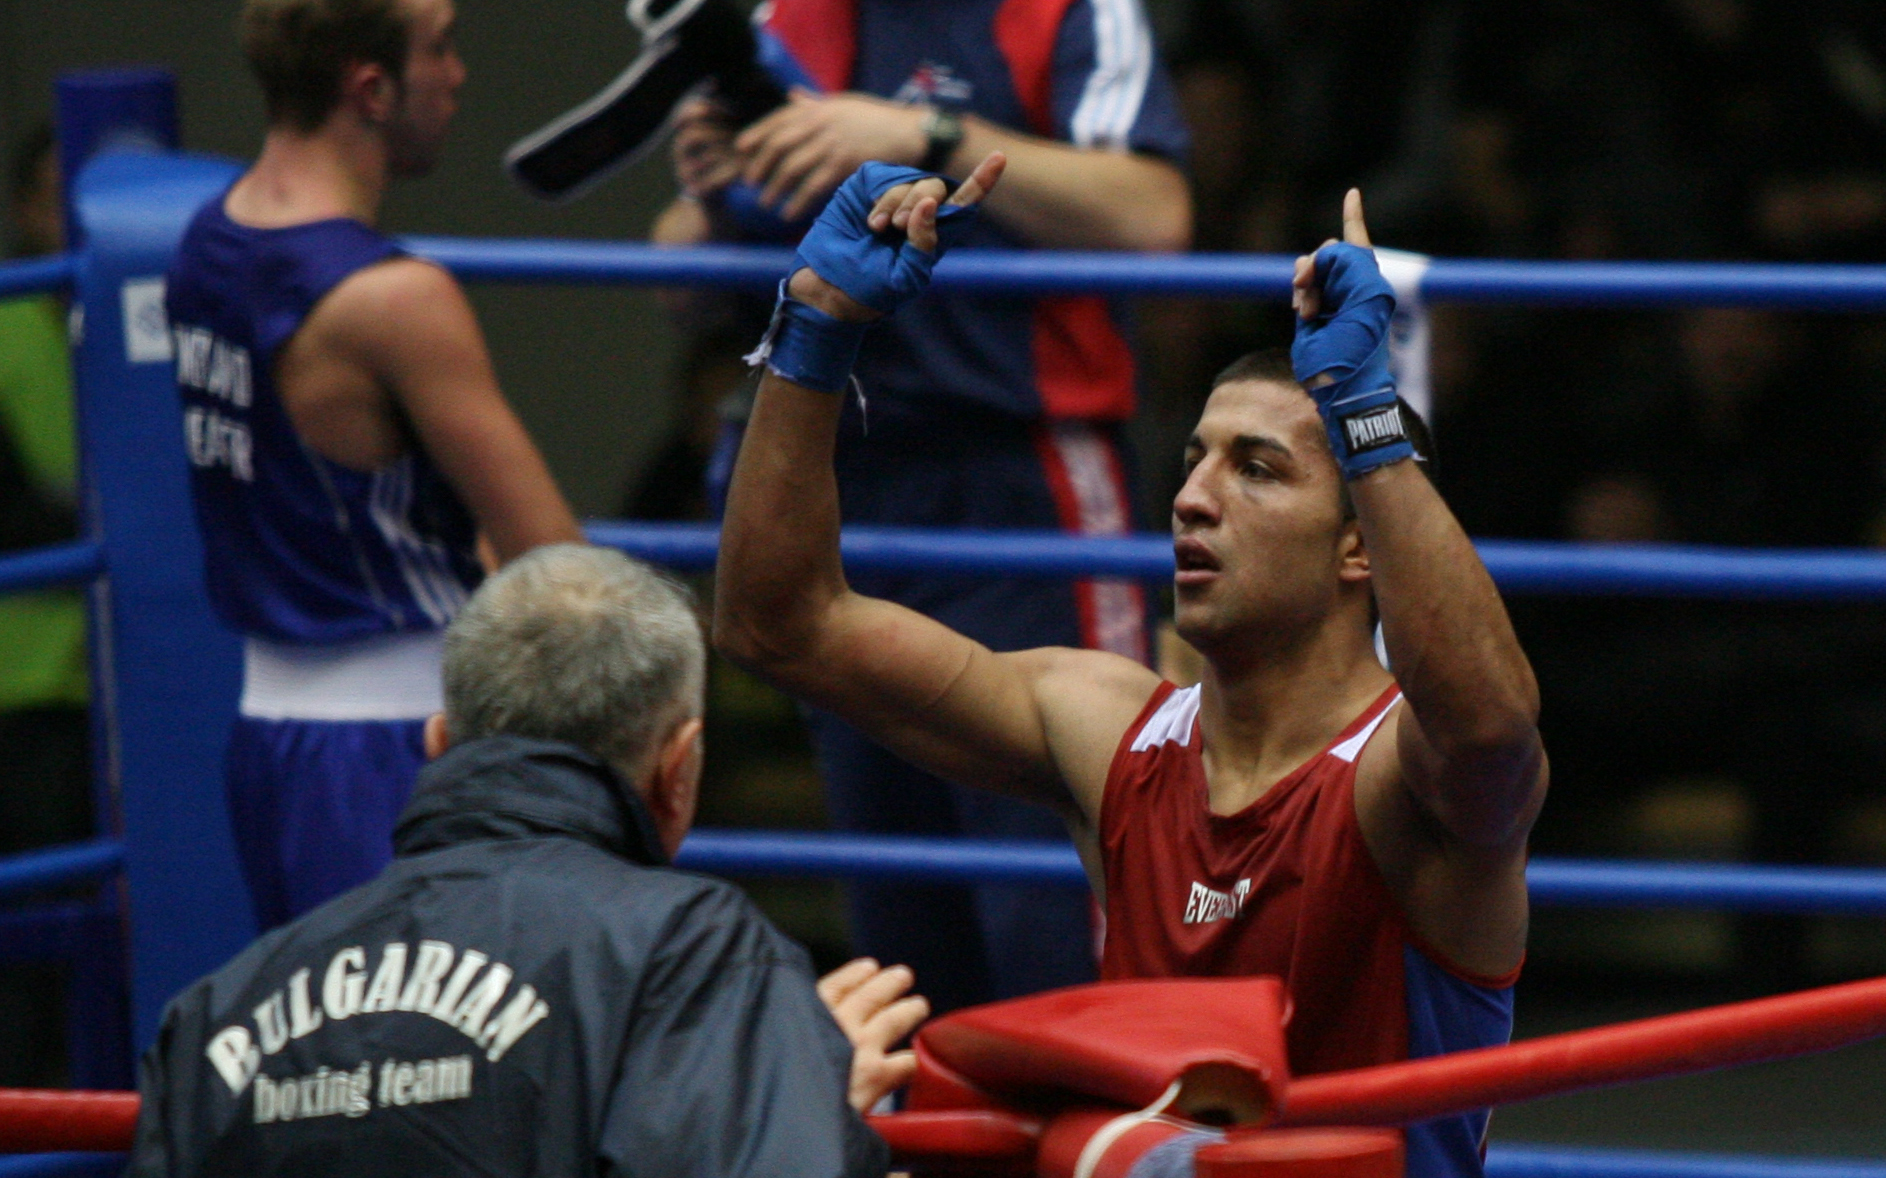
column 1365, row 426
column 808, row 347
column 881, row 270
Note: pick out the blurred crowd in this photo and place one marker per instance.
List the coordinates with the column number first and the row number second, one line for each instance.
column 1574, row 129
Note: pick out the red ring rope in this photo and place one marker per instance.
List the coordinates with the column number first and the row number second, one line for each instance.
column 1671, row 1045
column 1392, row 1094
column 34, row 1121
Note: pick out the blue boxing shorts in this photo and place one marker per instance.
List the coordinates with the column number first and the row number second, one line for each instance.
column 321, row 761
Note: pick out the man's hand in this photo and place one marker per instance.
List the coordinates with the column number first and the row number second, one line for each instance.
column 801, row 152
column 1336, row 340
column 1306, row 294
column 703, row 151
column 875, row 1009
column 907, row 209
column 1344, row 308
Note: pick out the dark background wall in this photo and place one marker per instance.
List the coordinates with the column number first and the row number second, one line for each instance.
column 587, row 368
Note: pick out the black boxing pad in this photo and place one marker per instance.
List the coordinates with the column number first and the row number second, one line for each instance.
column 688, row 47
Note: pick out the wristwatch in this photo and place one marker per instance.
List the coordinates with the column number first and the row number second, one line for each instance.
column 943, row 127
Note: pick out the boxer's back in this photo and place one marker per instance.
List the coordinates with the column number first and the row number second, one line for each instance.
column 298, row 548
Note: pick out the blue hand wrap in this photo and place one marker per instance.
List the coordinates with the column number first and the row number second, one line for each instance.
column 1348, row 340
column 808, row 347
column 881, row 270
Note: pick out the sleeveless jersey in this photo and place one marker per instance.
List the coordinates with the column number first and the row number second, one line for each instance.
column 1080, row 71
column 1286, row 887
column 298, row 549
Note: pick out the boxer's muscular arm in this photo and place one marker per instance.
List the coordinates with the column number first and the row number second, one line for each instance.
column 405, row 327
column 1446, row 804
column 1469, row 739
column 1042, row 724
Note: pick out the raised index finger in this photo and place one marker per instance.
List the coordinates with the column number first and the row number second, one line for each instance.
column 1353, row 230
column 981, row 180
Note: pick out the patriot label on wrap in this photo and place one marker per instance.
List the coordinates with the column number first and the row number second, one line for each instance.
column 1374, row 429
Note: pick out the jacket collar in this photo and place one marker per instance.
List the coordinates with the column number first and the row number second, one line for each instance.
column 508, row 787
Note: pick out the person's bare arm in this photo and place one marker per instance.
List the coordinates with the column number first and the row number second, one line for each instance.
column 1469, row 742
column 704, row 163
column 410, row 327
column 1040, row 723
column 1011, row 722
column 1447, row 804
column 1055, row 194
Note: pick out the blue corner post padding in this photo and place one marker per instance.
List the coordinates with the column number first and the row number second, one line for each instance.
column 168, row 672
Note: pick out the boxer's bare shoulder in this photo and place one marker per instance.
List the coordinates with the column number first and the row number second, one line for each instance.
column 1086, row 699
column 338, row 373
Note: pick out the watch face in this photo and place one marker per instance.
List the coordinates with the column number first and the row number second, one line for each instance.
column 944, row 129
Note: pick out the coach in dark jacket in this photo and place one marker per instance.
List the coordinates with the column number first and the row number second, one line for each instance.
column 528, row 989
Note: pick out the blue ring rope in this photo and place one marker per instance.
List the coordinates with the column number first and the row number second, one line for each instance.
column 1661, row 570
column 1801, row 286
column 1521, row 1161
column 55, row 564
column 1582, row 883
column 37, row 276
column 31, row 871
column 63, row 1165
column 1664, row 570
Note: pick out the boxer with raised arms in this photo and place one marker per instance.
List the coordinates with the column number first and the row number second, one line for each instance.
column 1301, row 812
column 347, row 438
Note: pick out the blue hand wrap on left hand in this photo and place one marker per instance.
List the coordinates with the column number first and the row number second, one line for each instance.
column 881, row 270
column 1348, row 340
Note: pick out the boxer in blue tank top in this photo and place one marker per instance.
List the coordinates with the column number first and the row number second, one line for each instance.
column 347, row 441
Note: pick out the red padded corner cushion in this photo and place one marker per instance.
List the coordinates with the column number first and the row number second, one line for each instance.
column 1119, row 1041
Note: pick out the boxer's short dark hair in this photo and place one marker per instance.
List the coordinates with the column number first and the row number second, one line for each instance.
column 299, row 50
column 1273, row 366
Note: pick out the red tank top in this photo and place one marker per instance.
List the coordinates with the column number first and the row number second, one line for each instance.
column 1285, row 886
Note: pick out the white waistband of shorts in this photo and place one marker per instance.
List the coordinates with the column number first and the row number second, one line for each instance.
column 388, row 677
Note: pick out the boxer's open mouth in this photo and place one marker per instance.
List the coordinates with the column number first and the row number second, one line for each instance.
column 1193, row 561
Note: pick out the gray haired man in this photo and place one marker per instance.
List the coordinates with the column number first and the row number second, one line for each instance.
column 529, row 989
